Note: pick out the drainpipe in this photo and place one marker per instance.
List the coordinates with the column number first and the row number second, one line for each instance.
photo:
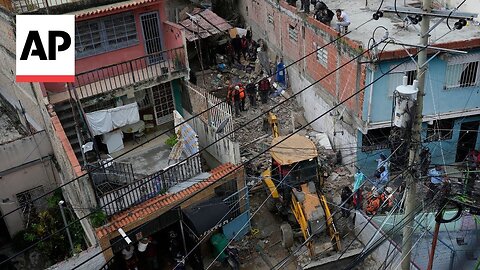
column 370, row 98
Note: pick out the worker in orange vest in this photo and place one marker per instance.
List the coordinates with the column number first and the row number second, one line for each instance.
column 373, row 202
column 243, row 97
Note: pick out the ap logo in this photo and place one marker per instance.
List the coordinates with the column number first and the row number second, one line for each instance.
column 45, row 48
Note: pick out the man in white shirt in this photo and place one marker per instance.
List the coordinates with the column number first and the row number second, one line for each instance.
column 437, row 178
column 342, row 21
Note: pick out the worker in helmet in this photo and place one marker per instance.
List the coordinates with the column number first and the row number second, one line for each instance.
column 387, row 199
column 373, row 202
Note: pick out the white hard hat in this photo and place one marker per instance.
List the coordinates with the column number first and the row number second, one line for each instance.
column 237, row 87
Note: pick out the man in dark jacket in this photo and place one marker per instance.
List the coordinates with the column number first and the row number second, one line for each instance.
column 264, row 88
column 252, row 93
column 347, row 200
column 237, row 47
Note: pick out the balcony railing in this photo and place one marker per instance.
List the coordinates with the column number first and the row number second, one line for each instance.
column 153, row 67
column 52, row 6
column 141, row 190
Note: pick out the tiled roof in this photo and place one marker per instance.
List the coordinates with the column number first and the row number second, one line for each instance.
column 147, row 208
column 112, row 7
column 204, row 28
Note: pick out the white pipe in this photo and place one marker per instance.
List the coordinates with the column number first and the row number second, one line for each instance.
column 370, row 98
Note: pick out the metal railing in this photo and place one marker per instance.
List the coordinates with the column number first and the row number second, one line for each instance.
column 51, row 6
column 153, row 185
column 110, row 176
column 156, row 66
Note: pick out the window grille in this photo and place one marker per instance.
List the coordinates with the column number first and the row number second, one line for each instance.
column 29, row 207
column 462, row 71
column 395, row 78
column 376, row 139
column 106, row 34
column 292, row 32
column 270, row 19
column 322, row 56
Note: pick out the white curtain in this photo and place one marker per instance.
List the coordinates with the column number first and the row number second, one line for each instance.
column 104, row 121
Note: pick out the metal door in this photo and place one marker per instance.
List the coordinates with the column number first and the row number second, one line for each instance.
column 151, row 36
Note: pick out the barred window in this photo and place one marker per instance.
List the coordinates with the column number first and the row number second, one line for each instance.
column 106, row 34
column 322, row 56
column 292, row 32
column 26, row 203
column 440, row 130
column 395, row 78
column 463, row 71
column 376, row 139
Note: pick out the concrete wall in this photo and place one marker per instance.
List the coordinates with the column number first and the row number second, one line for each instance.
column 224, row 150
column 24, row 150
column 26, row 164
column 94, row 263
column 19, row 95
column 271, row 20
column 370, row 232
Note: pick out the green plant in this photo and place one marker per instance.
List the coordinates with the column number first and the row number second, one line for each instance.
column 172, row 140
column 98, row 218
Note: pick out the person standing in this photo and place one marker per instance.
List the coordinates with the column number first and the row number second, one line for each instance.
column 244, row 43
column 342, row 21
column 264, row 88
column 236, row 100
column 131, row 261
column 230, row 53
column 251, row 90
column 437, row 178
column 237, row 47
column 243, row 97
column 346, row 200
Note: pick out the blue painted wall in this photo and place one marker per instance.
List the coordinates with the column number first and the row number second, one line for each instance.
column 446, row 100
column 366, row 160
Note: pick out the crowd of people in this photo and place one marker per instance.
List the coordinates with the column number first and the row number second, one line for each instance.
column 238, row 93
column 323, row 14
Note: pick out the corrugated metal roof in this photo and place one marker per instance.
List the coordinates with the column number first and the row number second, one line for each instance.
column 109, row 8
column 199, row 28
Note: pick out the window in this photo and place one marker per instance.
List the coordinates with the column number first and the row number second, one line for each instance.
column 292, row 32
column 103, row 35
column 270, row 19
column 463, row 71
column 29, row 208
column 396, row 76
column 376, row 139
column 322, row 56
column 440, row 130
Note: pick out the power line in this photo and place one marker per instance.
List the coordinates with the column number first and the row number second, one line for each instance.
column 198, row 114
column 288, row 136
column 211, row 144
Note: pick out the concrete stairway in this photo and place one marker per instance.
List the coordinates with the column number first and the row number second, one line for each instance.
column 66, row 115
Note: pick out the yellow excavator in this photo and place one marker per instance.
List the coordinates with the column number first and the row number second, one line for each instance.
column 295, row 182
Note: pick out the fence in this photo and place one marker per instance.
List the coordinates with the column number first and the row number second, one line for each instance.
column 42, row 6
column 217, row 114
column 141, row 190
column 107, row 176
column 154, row 66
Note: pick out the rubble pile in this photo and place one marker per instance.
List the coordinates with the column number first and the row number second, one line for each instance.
column 256, row 136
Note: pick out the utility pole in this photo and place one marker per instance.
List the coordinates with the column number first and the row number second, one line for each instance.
column 414, row 153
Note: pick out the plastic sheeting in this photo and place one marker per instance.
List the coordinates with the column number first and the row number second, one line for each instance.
column 104, row 121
